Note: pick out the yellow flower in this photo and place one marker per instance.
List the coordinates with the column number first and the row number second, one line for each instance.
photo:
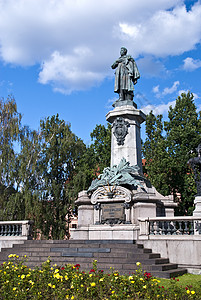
column 56, row 271
column 90, row 275
column 14, row 288
column 188, row 292
column 72, row 297
column 130, row 277
column 132, row 281
column 141, row 279
column 144, row 286
column 31, row 282
column 93, row 284
column 192, row 292
column 101, row 279
column 113, row 292
column 138, row 263
column 23, row 276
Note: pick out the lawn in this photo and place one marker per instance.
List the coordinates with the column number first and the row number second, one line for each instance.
column 183, row 281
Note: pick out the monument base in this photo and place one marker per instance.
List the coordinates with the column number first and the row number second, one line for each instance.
column 106, row 232
column 112, row 213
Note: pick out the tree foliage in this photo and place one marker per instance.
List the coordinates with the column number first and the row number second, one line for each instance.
column 101, row 137
column 42, row 172
column 167, row 149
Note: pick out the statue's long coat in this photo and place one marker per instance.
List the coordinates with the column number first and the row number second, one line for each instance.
column 126, row 74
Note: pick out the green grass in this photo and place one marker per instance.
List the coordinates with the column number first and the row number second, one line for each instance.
column 184, row 280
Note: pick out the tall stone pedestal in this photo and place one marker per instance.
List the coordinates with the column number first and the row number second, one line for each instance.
column 114, row 203
column 126, row 140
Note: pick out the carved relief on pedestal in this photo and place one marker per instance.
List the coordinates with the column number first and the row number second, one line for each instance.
column 111, row 194
column 111, row 205
column 120, row 129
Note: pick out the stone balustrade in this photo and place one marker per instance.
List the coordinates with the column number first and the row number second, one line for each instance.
column 175, row 238
column 170, row 226
column 15, row 229
column 14, row 232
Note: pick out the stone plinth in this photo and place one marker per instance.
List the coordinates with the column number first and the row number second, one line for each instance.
column 85, row 209
column 126, row 140
column 197, row 202
column 106, row 232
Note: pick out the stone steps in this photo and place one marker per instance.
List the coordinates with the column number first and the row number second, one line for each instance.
column 118, row 255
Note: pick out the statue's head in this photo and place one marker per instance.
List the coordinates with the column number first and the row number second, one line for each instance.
column 123, row 51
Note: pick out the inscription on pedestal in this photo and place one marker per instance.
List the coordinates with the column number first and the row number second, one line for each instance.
column 113, row 213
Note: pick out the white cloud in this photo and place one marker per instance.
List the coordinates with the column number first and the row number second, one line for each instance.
column 166, row 91
column 76, row 41
column 159, row 109
column 172, row 89
column 156, row 89
column 65, row 71
column 191, row 64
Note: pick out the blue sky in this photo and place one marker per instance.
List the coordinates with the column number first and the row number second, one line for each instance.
column 55, row 56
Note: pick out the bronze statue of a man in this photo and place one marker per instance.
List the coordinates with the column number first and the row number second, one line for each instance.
column 126, row 75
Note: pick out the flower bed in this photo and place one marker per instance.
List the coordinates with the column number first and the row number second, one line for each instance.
column 17, row 281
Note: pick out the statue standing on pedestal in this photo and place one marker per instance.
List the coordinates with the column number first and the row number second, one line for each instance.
column 126, row 75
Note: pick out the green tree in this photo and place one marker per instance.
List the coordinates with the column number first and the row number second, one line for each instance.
column 93, row 160
column 167, row 150
column 101, row 145
column 61, row 152
column 42, row 172
column 9, row 134
column 10, row 121
column 154, row 151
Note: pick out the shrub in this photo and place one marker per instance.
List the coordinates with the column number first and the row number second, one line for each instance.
column 17, row 281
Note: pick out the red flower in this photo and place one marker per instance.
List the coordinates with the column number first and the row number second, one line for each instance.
column 92, row 271
column 62, row 268
column 162, row 287
column 177, row 279
column 77, row 266
column 173, row 278
column 186, row 288
column 147, row 275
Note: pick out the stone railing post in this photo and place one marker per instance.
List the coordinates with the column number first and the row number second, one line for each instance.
column 144, row 227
